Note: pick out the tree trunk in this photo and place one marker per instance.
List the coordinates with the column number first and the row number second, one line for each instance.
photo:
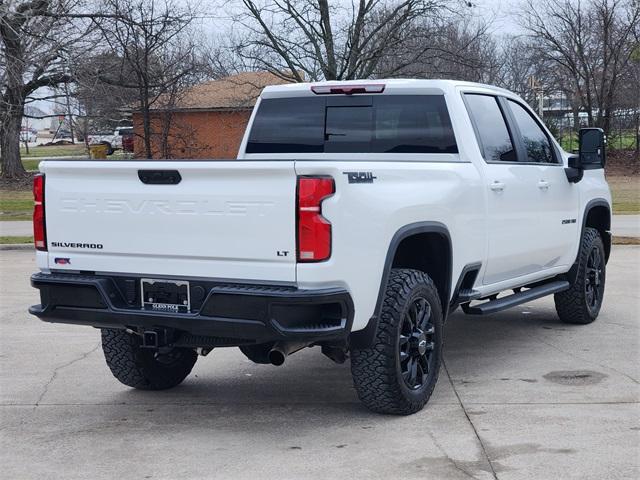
column 166, row 118
column 69, row 114
column 147, row 133
column 637, row 155
column 10, row 145
column 146, row 123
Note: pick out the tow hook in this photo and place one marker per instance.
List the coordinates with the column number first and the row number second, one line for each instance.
column 152, row 339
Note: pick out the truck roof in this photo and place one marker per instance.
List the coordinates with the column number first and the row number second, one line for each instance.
column 392, row 86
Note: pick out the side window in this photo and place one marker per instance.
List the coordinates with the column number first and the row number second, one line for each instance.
column 495, row 141
column 535, row 140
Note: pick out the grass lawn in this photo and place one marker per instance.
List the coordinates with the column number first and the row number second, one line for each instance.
column 37, row 154
column 31, row 165
column 14, row 240
column 625, row 191
column 624, row 141
column 16, row 204
column 54, row 151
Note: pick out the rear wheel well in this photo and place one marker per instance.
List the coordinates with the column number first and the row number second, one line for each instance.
column 428, row 252
column 599, row 217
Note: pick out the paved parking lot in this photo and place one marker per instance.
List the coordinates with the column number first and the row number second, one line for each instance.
column 522, row 396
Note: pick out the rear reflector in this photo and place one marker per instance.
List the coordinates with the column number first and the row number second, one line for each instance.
column 39, row 236
column 314, row 231
column 347, row 89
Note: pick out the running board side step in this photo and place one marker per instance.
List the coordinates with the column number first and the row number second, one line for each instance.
column 524, row 296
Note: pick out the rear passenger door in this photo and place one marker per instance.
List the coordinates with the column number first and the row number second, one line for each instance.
column 514, row 235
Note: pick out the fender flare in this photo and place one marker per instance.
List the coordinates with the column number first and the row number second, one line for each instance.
column 596, row 202
column 364, row 338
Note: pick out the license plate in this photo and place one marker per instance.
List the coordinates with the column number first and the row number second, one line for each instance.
column 165, row 295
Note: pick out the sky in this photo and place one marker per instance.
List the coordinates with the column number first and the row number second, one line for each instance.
column 500, row 12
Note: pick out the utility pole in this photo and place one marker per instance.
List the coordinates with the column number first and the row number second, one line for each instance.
column 540, row 103
column 535, row 86
column 69, row 112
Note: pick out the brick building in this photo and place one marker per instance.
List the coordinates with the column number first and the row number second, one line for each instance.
column 207, row 121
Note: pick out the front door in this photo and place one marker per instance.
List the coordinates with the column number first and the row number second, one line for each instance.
column 556, row 200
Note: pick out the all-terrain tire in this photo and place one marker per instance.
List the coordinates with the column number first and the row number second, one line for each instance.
column 140, row 368
column 378, row 370
column 258, row 353
column 575, row 305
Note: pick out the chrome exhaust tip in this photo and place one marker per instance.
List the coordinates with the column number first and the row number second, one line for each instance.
column 281, row 350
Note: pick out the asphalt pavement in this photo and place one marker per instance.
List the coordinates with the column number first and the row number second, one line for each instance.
column 522, row 396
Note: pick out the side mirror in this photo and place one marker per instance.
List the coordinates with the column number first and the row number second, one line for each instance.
column 592, row 153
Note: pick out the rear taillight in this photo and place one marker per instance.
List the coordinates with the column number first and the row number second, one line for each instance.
column 314, row 231
column 39, row 236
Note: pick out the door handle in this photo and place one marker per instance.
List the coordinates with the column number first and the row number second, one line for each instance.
column 497, row 186
column 159, row 177
column 543, row 184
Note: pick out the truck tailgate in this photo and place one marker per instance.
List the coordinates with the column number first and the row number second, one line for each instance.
column 224, row 219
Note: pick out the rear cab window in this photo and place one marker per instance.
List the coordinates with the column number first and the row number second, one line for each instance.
column 353, row 124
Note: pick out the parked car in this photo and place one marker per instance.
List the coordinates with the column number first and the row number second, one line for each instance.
column 113, row 140
column 357, row 217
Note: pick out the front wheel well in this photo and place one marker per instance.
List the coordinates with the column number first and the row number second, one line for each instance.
column 599, row 217
column 429, row 252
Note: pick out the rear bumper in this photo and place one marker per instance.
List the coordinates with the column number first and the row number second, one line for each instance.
column 227, row 314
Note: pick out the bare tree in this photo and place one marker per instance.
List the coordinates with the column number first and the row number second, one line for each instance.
column 102, row 104
column 590, row 42
column 37, row 43
column 629, row 95
column 518, row 63
column 317, row 39
column 151, row 52
column 454, row 46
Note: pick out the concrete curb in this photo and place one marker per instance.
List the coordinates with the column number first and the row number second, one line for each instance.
column 17, row 246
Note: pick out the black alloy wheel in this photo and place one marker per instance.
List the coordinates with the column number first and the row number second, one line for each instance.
column 594, row 280
column 416, row 344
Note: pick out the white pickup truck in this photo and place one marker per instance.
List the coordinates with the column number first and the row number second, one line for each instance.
column 113, row 141
column 357, row 216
